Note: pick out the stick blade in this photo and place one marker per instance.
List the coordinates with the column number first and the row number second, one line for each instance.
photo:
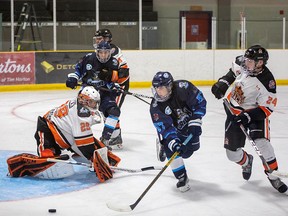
column 118, row 207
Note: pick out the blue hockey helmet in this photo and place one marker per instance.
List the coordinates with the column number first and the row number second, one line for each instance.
column 103, row 51
column 162, row 78
column 162, row 85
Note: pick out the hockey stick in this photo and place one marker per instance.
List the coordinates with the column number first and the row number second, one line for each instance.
column 136, row 95
column 269, row 170
column 127, row 208
column 112, row 167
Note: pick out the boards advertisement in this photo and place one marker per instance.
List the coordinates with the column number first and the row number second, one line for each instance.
column 17, row 68
column 53, row 67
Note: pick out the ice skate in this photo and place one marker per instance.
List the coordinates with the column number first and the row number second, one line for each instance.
column 116, row 143
column 161, row 155
column 247, row 170
column 183, row 184
column 280, row 186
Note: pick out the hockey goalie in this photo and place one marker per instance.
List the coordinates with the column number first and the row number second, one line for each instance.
column 67, row 127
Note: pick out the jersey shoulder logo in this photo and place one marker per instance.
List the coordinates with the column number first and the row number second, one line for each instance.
column 183, row 84
column 272, row 84
column 88, row 67
column 168, row 110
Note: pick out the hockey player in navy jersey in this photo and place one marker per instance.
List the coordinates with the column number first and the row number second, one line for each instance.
column 106, row 35
column 252, row 99
column 176, row 111
column 109, row 76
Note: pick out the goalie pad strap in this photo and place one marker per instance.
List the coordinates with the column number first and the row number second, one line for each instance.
column 113, row 159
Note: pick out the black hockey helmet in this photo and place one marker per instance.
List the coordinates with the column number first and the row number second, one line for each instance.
column 162, row 78
column 256, row 53
column 105, row 33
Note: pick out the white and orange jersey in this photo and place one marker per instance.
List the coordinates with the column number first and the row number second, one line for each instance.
column 70, row 125
column 250, row 92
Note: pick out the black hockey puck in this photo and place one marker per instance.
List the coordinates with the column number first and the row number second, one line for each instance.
column 52, row 210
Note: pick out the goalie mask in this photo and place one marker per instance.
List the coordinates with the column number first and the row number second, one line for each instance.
column 162, row 84
column 255, row 58
column 89, row 97
column 103, row 51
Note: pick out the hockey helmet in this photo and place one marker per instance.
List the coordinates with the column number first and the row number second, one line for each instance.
column 102, row 35
column 252, row 56
column 89, row 97
column 256, row 53
column 103, row 51
column 162, row 84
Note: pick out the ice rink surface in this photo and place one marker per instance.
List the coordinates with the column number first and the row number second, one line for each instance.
column 217, row 187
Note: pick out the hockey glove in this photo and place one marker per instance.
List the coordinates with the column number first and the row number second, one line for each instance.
column 175, row 146
column 115, row 87
column 72, row 80
column 243, row 118
column 105, row 74
column 194, row 127
column 219, row 88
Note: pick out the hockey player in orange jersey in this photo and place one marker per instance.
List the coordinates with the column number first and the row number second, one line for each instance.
column 67, row 127
column 252, row 99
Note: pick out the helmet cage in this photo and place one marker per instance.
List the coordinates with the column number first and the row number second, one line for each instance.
column 89, row 98
column 103, row 51
column 162, row 98
column 162, row 79
column 97, row 40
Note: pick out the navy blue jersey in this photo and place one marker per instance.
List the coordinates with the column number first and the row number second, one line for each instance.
column 172, row 116
column 89, row 67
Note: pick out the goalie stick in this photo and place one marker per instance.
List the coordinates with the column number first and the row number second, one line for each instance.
column 128, row 208
column 270, row 171
column 112, row 167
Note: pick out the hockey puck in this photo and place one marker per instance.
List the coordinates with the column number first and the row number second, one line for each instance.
column 52, row 210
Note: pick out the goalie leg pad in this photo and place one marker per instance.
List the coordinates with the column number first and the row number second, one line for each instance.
column 26, row 164
column 101, row 167
column 57, row 171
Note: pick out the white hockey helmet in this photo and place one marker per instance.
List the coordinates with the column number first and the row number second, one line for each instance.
column 89, row 97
